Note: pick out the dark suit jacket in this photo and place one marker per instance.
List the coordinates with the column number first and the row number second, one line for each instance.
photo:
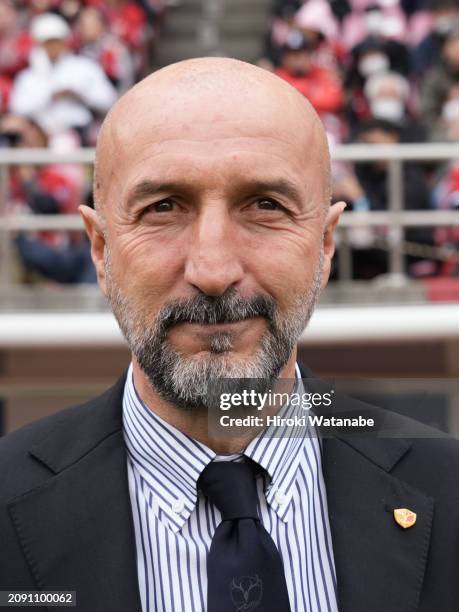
column 66, row 524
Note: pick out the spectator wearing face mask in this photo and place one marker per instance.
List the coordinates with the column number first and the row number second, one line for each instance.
column 378, row 38
column 378, row 51
column 60, row 89
column 321, row 86
column 378, row 19
column 388, row 97
column 437, row 87
column 445, row 19
column 366, row 60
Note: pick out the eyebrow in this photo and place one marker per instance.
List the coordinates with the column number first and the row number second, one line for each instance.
column 280, row 186
column 148, row 188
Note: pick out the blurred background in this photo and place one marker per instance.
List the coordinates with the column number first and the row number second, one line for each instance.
column 383, row 76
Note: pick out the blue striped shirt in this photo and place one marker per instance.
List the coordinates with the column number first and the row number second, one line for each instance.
column 174, row 523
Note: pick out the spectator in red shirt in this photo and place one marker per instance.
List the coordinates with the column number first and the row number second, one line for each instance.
column 128, row 21
column 126, row 18
column 95, row 41
column 320, row 85
column 59, row 256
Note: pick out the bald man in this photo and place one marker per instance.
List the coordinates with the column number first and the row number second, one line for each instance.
column 212, row 237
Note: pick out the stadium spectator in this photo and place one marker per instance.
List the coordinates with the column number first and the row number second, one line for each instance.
column 95, row 41
column 387, row 94
column 396, row 51
column 47, row 189
column 321, row 86
column 372, row 175
column 373, row 19
column 318, row 23
column 15, row 41
column 64, row 186
column 282, row 24
column 440, row 86
column 367, row 189
column 445, row 18
column 59, row 89
column 366, row 60
column 388, row 97
column 128, row 21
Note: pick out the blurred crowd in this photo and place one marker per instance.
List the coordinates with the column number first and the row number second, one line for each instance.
column 380, row 72
column 63, row 63
column 376, row 71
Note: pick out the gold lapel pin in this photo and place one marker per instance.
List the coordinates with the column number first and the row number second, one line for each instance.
column 404, row 517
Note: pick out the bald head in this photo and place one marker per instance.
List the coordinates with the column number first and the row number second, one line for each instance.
column 200, row 98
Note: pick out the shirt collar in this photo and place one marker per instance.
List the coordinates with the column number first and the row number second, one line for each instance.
column 279, row 450
column 170, row 462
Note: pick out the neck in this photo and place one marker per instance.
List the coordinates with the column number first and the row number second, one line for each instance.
column 195, row 424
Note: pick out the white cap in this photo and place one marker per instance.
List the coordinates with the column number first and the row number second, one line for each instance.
column 49, row 27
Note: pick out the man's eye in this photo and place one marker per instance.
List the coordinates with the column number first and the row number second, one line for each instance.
column 267, row 204
column 162, row 207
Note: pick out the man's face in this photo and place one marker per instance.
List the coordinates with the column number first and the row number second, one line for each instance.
column 90, row 25
column 213, row 256
column 54, row 48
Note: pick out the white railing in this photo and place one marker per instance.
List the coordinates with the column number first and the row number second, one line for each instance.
column 329, row 325
column 395, row 218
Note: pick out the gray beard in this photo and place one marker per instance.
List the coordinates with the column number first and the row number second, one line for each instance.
column 196, row 382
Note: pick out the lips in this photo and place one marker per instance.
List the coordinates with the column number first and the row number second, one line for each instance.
column 218, row 326
column 224, row 322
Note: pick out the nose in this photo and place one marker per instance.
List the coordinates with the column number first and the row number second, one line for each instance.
column 213, row 262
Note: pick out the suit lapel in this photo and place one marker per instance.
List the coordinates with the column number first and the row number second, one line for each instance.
column 380, row 566
column 76, row 529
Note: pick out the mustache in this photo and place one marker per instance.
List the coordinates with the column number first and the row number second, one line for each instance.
column 211, row 310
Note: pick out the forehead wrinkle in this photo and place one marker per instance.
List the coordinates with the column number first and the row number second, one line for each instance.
column 221, row 76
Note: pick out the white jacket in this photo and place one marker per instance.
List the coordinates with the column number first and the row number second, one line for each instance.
column 35, row 86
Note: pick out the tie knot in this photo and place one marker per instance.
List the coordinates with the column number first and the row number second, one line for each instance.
column 232, row 488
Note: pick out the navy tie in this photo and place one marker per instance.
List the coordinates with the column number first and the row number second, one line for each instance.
column 244, row 567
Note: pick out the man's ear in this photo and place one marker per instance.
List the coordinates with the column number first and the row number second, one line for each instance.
column 331, row 221
column 94, row 230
